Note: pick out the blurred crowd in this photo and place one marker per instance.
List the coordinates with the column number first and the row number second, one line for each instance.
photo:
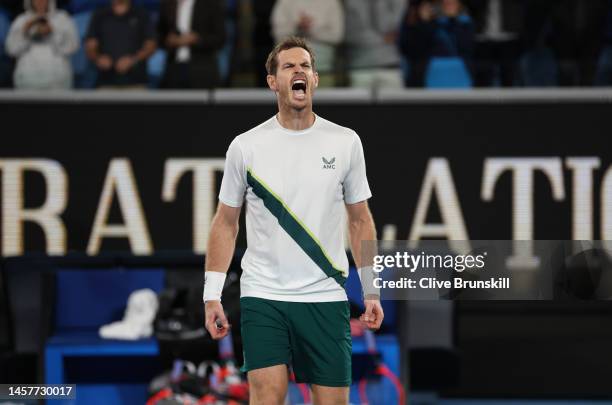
column 199, row 44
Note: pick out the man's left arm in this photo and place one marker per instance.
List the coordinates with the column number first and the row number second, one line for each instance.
column 361, row 228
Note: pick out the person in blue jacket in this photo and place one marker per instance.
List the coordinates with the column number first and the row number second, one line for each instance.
column 435, row 28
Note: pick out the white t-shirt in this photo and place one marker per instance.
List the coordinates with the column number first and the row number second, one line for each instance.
column 295, row 184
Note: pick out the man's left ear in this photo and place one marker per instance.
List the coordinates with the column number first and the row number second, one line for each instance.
column 271, row 79
column 316, row 83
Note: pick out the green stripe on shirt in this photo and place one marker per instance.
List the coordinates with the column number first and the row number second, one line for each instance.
column 295, row 228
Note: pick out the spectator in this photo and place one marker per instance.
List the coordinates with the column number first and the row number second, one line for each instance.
column 42, row 39
column 578, row 29
column 499, row 26
column 321, row 22
column 262, row 38
column 192, row 31
column 436, row 29
column 371, row 35
column 563, row 41
column 538, row 65
column 119, row 42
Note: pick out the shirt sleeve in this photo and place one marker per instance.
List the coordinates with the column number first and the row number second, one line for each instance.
column 65, row 37
column 233, row 185
column 356, row 187
column 16, row 41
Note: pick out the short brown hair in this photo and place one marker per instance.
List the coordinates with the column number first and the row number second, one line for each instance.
column 287, row 43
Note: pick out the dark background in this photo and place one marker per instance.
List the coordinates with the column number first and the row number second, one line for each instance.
column 520, row 349
column 398, row 141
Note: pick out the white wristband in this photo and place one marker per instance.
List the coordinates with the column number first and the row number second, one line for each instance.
column 213, row 285
column 367, row 276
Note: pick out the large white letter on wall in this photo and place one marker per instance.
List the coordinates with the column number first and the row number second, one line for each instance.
column 204, row 192
column 438, row 179
column 47, row 216
column 582, row 198
column 120, row 179
column 606, row 209
column 522, row 198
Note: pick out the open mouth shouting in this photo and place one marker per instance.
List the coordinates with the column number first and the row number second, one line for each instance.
column 298, row 88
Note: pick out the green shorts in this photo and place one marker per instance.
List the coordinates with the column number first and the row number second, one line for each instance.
column 314, row 338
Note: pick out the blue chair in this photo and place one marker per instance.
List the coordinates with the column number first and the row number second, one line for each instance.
column 85, row 300
column 387, row 343
column 84, row 71
column 447, row 73
column 155, row 68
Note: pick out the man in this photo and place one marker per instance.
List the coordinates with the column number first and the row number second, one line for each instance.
column 192, row 31
column 119, row 42
column 42, row 39
column 372, row 56
column 499, row 28
column 296, row 172
column 436, row 29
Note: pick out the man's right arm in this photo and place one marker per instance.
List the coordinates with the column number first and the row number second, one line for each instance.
column 221, row 244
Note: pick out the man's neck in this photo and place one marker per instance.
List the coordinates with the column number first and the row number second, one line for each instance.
column 296, row 120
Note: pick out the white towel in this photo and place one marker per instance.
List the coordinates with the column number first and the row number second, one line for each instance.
column 138, row 320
